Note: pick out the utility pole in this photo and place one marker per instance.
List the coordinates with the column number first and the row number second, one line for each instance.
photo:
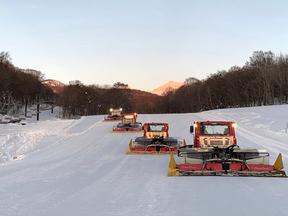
column 26, row 105
column 38, row 108
column 52, row 104
column 52, row 108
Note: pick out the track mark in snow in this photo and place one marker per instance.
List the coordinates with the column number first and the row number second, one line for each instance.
column 83, row 170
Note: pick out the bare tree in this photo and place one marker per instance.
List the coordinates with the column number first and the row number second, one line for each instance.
column 5, row 57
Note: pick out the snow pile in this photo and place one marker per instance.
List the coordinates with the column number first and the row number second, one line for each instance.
column 16, row 140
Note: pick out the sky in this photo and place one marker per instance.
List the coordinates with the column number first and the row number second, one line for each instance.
column 143, row 43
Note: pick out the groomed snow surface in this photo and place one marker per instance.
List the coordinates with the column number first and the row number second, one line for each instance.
column 79, row 167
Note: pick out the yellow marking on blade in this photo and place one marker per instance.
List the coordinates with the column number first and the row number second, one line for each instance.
column 172, row 165
column 129, row 147
column 278, row 165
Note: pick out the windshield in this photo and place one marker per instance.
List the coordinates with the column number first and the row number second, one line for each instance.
column 156, row 128
column 115, row 113
column 127, row 121
column 215, row 130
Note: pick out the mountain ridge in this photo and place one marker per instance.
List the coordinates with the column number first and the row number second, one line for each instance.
column 167, row 86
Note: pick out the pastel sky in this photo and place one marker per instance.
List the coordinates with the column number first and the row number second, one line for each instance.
column 144, row 43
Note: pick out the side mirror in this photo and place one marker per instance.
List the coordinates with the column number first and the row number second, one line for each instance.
column 191, row 129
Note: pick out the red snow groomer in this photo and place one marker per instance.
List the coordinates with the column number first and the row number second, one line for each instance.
column 128, row 124
column 216, row 153
column 155, row 140
column 115, row 115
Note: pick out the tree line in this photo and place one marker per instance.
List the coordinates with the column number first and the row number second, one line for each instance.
column 263, row 80
column 24, row 86
column 21, row 86
column 77, row 99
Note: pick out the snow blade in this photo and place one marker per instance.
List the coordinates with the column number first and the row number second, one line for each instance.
column 154, row 149
column 127, row 129
column 112, row 119
column 231, row 167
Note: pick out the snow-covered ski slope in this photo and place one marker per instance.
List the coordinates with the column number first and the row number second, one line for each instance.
column 79, row 167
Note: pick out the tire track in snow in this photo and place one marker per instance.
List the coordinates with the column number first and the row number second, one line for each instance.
column 90, row 174
column 99, row 174
column 86, row 153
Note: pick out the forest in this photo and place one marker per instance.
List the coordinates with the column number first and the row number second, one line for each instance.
column 19, row 86
column 263, row 80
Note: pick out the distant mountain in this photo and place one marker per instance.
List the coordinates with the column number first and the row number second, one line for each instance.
column 55, row 85
column 170, row 85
